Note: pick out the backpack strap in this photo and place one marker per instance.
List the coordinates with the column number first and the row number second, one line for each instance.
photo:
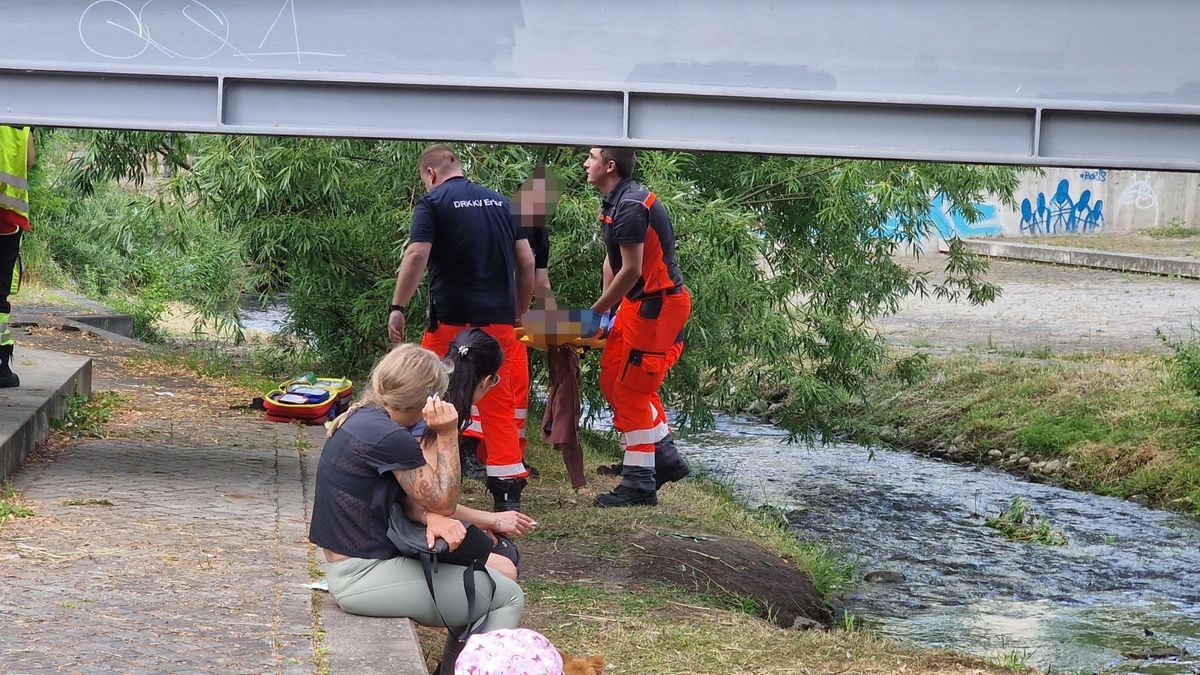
column 429, row 566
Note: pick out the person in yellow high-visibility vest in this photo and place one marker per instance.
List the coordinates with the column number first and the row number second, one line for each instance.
column 16, row 158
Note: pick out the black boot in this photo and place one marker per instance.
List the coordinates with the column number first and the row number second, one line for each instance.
column 506, row 492
column 468, row 458
column 623, row 495
column 668, row 474
column 668, row 463
column 610, row 469
column 8, row 379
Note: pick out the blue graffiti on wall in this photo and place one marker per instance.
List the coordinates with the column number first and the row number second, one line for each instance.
column 951, row 223
column 1062, row 213
column 1094, row 174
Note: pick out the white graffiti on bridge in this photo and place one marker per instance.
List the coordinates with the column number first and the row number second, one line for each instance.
column 189, row 30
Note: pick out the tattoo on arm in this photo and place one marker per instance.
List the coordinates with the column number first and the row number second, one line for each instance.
column 435, row 486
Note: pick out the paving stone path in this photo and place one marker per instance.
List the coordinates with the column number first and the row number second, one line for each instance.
column 175, row 545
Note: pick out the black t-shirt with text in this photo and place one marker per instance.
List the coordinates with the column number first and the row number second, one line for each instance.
column 472, row 261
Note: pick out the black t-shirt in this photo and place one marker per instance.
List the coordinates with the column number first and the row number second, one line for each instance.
column 539, row 241
column 472, row 264
column 629, row 215
column 355, row 487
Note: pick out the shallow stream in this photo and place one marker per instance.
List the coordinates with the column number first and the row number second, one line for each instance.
column 1128, row 580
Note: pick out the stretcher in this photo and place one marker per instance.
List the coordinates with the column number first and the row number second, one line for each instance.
column 541, row 341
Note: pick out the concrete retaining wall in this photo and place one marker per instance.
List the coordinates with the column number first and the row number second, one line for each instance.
column 1081, row 257
column 47, row 379
column 1080, row 202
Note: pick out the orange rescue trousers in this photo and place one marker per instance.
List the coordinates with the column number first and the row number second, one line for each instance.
column 641, row 348
column 498, row 417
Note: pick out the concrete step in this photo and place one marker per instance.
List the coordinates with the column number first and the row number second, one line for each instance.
column 97, row 315
column 1188, row 268
column 370, row 646
column 47, row 379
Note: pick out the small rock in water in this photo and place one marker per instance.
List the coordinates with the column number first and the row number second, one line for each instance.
column 1140, row 500
column 774, row 409
column 757, row 408
column 1160, row 653
column 884, row 577
column 995, row 454
column 1050, row 468
column 1023, row 462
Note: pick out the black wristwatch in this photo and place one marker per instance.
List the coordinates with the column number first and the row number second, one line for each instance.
column 396, row 308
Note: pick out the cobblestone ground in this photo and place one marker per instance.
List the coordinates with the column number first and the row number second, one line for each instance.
column 1062, row 309
column 199, row 564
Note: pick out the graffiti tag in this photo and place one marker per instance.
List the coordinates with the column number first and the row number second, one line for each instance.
column 1140, row 194
column 1062, row 212
column 180, row 29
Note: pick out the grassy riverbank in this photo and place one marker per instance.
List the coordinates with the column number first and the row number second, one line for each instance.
column 1118, row 424
column 591, row 590
column 1176, row 240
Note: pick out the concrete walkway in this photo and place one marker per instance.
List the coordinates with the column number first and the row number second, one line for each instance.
column 1051, row 308
column 175, row 544
column 197, row 565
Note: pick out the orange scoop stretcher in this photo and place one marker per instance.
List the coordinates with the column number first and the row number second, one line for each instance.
column 541, row 340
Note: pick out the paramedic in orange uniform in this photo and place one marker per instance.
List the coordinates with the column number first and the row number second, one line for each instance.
column 480, row 271
column 641, row 275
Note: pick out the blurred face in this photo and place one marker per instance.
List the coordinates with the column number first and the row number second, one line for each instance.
column 535, row 202
column 533, row 197
column 597, row 168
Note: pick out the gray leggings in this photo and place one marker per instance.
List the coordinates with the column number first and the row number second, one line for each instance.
column 396, row 588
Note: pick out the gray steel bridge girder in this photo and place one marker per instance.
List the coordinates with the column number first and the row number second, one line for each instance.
column 934, row 80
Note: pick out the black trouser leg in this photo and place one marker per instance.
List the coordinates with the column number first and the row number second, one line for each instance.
column 10, row 255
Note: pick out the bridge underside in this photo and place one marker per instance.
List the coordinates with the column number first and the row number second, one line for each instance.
column 1052, row 83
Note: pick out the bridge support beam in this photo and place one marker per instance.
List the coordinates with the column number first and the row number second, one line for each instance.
column 983, row 81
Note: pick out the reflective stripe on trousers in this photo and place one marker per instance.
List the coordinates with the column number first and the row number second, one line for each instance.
column 496, row 424
column 640, row 437
column 639, row 350
column 517, row 470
